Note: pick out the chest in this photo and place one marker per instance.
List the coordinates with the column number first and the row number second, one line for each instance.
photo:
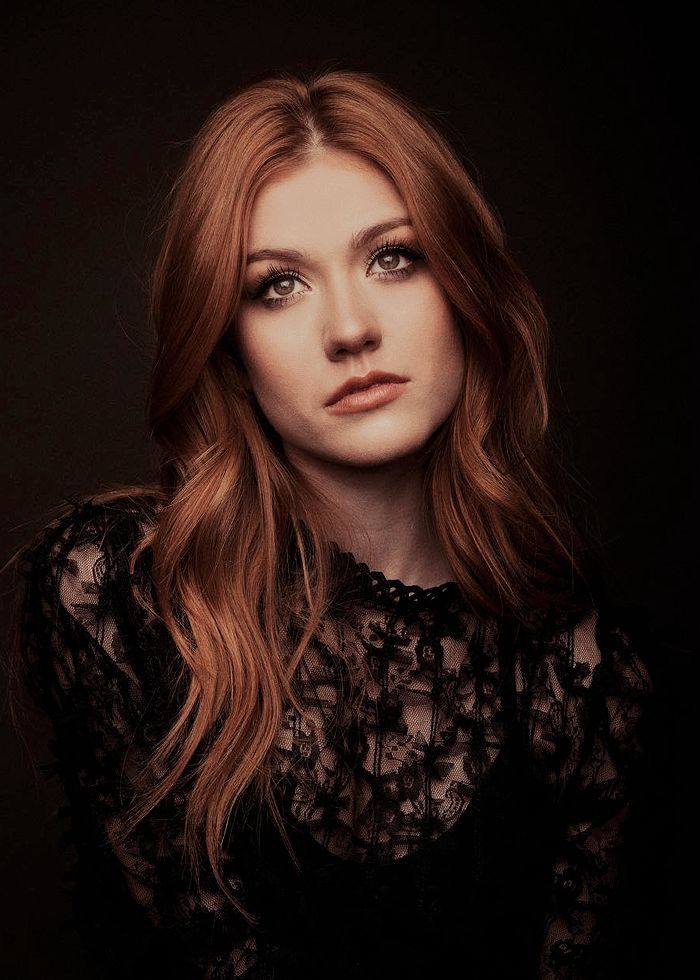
column 418, row 833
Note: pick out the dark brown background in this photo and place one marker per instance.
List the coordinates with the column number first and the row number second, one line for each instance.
column 576, row 118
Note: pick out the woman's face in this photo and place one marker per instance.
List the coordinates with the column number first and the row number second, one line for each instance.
column 339, row 311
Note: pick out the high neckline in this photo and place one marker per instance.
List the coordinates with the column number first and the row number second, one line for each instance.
column 372, row 586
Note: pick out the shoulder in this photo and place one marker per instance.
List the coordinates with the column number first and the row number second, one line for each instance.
column 82, row 627
column 86, row 540
column 603, row 645
column 585, row 685
column 89, row 524
column 77, row 571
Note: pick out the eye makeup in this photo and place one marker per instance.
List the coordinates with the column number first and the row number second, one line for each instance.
column 274, row 274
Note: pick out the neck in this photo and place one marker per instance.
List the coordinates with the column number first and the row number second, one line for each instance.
column 383, row 519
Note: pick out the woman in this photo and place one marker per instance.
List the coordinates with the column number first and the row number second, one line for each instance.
column 339, row 694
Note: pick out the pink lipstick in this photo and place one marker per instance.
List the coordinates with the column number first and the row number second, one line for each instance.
column 367, row 398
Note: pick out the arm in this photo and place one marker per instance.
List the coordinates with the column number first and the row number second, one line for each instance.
column 588, row 698
column 86, row 658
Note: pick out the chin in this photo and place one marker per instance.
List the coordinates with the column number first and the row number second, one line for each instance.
column 379, row 454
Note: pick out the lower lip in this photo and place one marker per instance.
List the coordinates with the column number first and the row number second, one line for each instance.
column 360, row 401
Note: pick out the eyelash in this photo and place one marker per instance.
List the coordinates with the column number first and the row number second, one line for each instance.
column 275, row 274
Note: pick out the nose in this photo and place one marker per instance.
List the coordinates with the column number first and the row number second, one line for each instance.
column 350, row 323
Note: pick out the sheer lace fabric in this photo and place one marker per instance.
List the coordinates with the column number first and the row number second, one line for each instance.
column 479, row 788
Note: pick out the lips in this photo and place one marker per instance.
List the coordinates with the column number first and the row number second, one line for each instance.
column 359, row 384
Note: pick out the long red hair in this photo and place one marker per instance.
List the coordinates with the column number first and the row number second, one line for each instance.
column 229, row 502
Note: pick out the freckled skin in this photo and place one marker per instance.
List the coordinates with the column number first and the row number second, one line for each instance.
column 344, row 322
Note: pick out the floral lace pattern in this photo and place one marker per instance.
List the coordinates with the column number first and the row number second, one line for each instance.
column 373, row 785
column 372, row 789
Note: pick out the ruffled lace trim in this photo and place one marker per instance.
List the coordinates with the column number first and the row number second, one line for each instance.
column 372, row 587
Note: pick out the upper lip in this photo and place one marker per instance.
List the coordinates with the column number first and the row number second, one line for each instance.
column 357, row 384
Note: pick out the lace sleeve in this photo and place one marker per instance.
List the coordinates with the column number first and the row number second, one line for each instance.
column 587, row 699
column 86, row 657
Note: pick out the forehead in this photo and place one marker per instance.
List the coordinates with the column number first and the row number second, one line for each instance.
column 327, row 197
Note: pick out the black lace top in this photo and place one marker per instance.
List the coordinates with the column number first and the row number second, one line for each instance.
column 467, row 819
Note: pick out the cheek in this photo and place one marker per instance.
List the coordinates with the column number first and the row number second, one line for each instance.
column 262, row 357
column 445, row 362
column 279, row 375
column 438, row 346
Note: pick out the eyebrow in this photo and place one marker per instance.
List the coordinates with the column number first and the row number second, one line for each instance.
column 359, row 240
